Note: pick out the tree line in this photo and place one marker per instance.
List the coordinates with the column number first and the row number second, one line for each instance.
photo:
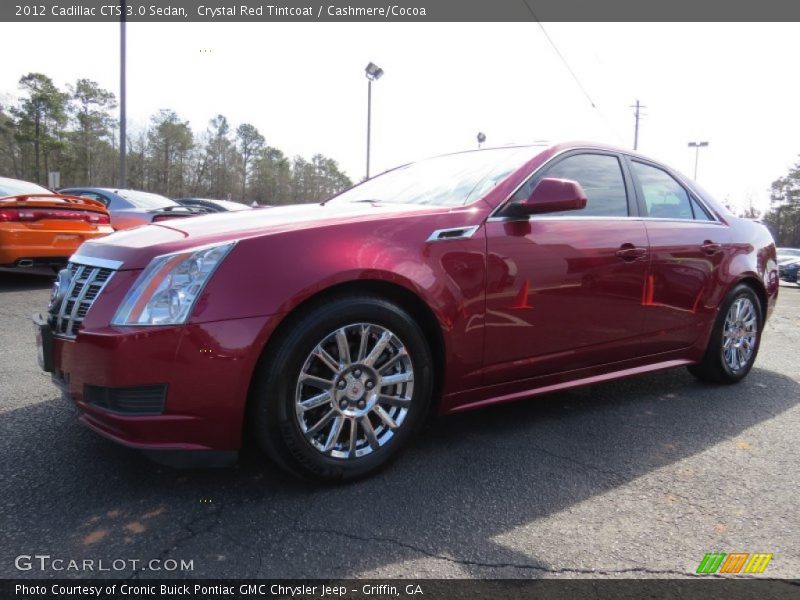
column 783, row 216
column 74, row 132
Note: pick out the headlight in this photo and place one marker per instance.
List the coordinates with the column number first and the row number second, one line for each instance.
column 167, row 289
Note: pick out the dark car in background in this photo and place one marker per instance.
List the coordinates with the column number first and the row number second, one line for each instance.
column 130, row 208
column 788, row 255
column 788, row 270
column 209, row 205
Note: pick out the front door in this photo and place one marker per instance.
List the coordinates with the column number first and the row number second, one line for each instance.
column 564, row 290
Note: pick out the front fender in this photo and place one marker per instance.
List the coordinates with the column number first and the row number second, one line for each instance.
column 275, row 274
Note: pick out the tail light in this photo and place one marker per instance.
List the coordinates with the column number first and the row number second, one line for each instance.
column 16, row 215
column 158, row 218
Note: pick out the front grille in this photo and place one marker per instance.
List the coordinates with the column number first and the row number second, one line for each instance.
column 143, row 400
column 84, row 288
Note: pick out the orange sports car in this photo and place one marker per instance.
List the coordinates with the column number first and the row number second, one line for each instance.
column 41, row 229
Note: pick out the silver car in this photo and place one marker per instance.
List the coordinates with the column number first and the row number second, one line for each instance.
column 130, row 208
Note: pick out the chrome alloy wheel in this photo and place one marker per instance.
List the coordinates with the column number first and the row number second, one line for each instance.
column 354, row 391
column 739, row 334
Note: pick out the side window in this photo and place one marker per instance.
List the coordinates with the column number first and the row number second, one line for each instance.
column 600, row 176
column 664, row 197
column 700, row 213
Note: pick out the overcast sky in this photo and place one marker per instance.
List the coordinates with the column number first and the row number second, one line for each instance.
column 303, row 86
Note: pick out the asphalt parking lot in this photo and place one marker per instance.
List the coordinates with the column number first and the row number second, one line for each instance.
column 633, row 478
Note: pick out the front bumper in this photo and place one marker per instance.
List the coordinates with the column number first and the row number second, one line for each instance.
column 205, row 370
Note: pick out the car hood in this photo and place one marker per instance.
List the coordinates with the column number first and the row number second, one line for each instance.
column 136, row 247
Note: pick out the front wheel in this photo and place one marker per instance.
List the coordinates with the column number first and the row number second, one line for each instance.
column 735, row 339
column 344, row 390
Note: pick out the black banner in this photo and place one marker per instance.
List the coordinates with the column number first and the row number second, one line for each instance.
column 422, row 589
column 395, row 10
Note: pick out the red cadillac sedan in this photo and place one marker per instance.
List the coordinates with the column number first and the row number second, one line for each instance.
column 330, row 330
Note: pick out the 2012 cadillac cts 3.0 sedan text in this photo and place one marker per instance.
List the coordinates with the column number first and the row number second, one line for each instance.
column 329, row 330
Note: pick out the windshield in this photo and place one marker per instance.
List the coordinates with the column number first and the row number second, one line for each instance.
column 789, row 252
column 145, row 199
column 14, row 187
column 451, row 180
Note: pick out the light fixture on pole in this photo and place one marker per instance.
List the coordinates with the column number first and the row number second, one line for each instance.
column 697, row 146
column 481, row 138
column 373, row 73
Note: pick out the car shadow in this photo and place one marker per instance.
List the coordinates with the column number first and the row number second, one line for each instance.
column 15, row 280
column 468, row 480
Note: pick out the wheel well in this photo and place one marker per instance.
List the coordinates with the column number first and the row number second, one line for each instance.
column 758, row 287
column 405, row 298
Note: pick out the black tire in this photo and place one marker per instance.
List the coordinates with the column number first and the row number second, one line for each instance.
column 273, row 416
column 714, row 368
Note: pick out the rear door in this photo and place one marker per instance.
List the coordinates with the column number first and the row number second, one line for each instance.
column 688, row 244
column 564, row 290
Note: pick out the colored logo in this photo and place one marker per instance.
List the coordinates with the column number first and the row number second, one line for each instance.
column 735, row 562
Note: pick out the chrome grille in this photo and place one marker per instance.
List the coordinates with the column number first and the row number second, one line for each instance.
column 86, row 285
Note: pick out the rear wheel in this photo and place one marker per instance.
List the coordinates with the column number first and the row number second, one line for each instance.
column 342, row 393
column 735, row 339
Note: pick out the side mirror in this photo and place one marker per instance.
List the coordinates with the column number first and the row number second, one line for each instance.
column 553, row 195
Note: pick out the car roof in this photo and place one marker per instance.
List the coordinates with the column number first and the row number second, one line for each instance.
column 15, row 184
column 556, row 148
column 553, row 149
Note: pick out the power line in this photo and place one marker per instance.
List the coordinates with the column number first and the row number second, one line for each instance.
column 561, row 56
column 571, row 71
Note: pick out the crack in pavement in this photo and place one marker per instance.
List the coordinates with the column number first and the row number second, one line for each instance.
column 214, row 520
column 501, row 565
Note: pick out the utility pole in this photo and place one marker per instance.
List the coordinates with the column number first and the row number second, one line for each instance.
column 697, row 146
column 637, row 114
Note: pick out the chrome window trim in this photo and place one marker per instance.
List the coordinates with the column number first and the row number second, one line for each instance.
column 598, row 218
column 559, row 218
column 467, row 232
column 698, row 221
column 90, row 261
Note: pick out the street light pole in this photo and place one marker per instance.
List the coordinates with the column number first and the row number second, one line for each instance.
column 697, row 146
column 373, row 73
column 123, row 129
column 369, row 120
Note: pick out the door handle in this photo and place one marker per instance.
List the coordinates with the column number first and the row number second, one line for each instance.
column 629, row 252
column 710, row 247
